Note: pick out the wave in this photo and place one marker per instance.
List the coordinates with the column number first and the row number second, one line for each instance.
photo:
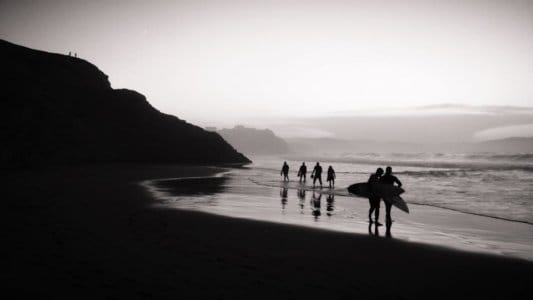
column 504, row 156
column 464, row 211
column 343, row 192
column 436, row 164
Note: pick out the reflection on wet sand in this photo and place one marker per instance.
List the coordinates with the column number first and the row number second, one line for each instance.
column 373, row 229
column 192, row 186
column 330, row 204
column 301, row 197
column 284, row 195
column 315, row 204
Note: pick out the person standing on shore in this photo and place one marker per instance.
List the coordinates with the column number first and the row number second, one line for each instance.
column 388, row 178
column 317, row 174
column 374, row 200
column 331, row 177
column 302, row 172
column 285, row 171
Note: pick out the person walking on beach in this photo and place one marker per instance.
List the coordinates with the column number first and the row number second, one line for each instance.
column 388, row 178
column 331, row 177
column 317, row 174
column 374, row 200
column 302, row 172
column 285, row 171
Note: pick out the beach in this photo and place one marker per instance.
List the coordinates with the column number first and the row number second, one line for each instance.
column 89, row 232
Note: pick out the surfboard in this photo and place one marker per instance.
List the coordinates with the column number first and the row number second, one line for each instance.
column 387, row 192
column 363, row 190
column 398, row 202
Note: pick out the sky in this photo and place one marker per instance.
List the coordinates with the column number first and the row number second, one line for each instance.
column 221, row 63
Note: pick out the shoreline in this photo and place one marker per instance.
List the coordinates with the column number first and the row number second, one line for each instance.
column 427, row 224
column 92, row 231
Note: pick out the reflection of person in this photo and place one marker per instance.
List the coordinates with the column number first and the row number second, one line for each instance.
column 330, row 200
column 388, row 178
column 374, row 199
column 283, row 194
column 301, row 196
column 317, row 174
column 331, row 177
column 302, row 172
column 285, row 171
column 315, row 204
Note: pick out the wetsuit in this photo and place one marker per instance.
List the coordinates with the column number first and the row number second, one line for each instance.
column 302, row 172
column 389, row 179
column 373, row 200
column 318, row 175
column 285, row 172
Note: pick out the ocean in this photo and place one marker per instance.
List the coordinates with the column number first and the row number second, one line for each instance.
column 477, row 202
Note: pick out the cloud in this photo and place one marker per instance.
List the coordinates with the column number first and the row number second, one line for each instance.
column 476, row 109
column 444, row 109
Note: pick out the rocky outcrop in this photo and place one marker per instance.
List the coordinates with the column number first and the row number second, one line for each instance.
column 57, row 109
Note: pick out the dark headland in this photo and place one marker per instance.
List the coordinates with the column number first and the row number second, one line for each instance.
column 90, row 230
column 58, row 109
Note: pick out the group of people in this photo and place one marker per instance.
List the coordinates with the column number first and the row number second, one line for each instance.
column 316, row 175
column 379, row 177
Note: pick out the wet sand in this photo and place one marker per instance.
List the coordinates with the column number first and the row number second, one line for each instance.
column 91, row 232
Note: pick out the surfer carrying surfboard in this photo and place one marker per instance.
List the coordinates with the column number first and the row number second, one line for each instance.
column 390, row 179
column 317, row 174
column 374, row 199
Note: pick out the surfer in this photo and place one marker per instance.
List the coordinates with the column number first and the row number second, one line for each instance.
column 302, row 172
column 285, row 171
column 388, row 178
column 331, row 177
column 317, row 174
column 374, row 200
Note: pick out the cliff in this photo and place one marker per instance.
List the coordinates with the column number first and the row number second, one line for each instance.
column 57, row 109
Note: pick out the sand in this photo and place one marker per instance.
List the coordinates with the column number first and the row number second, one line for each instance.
column 92, row 232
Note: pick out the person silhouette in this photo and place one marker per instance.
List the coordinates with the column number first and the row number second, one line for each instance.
column 331, row 177
column 302, row 172
column 285, row 171
column 317, row 174
column 374, row 200
column 388, row 178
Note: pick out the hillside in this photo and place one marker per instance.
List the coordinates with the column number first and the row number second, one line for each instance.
column 57, row 109
column 254, row 141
